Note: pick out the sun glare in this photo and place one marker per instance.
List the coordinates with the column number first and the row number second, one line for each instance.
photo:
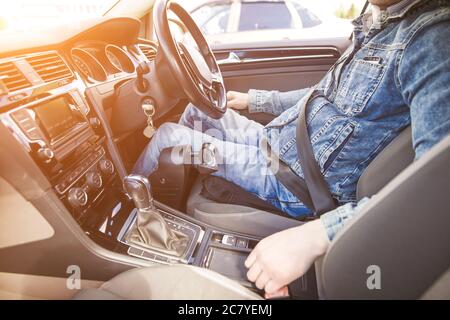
column 29, row 15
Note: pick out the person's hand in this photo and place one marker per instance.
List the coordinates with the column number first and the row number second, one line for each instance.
column 237, row 100
column 285, row 256
column 282, row 293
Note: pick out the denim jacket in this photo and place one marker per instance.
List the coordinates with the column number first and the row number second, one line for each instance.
column 395, row 73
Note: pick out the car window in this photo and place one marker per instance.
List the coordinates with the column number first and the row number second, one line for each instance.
column 308, row 18
column 248, row 21
column 212, row 19
column 264, row 15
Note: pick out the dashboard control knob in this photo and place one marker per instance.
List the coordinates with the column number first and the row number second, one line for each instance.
column 94, row 180
column 45, row 154
column 77, row 197
column 106, row 166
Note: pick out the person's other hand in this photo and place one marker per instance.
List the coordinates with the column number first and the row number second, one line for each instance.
column 237, row 100
column 285, row 256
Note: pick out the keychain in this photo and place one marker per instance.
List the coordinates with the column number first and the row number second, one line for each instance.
column 149, row 111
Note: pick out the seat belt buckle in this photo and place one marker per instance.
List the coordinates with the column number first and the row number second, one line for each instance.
column 206, row 161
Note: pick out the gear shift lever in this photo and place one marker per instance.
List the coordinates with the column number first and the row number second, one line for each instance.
column 151, row 230
column 138, row 188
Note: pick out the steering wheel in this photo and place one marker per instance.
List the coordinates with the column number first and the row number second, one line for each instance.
column 195, row 70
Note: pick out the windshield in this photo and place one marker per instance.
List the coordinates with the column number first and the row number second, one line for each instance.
column 24, row 15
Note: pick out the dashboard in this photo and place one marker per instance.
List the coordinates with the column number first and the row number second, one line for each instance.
column 98, row 51
column 59, row 96
column 44, row 104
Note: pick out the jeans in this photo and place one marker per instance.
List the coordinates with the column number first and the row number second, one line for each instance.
column 241, row 160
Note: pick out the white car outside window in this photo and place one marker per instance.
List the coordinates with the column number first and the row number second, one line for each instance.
column 246, row 21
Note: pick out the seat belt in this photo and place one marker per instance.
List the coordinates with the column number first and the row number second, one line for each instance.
column 318, row 189
column 295, row 184
column 313, row 190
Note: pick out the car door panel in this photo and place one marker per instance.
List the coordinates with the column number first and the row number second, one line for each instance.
column 282, row 65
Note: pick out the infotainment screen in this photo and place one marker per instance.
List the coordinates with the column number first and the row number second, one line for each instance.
column 55, row 117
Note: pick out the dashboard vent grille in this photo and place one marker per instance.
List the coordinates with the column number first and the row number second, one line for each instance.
column 12, row 78
column 49, row 66
column 149, row 51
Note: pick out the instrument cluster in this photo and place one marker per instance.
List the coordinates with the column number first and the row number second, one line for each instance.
column 97, row 62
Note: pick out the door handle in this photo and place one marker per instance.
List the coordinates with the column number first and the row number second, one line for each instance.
column 232, row 58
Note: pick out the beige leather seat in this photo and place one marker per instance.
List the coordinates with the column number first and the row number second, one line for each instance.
column 394, row 158
column 177, row 282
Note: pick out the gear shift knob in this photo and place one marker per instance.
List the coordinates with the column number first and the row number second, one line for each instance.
column 139, row 189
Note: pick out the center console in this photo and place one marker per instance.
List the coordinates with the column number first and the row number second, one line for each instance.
column 218, row 250
column 211, row 248
column 194, row 242
column 68, row 144
column 207, row 246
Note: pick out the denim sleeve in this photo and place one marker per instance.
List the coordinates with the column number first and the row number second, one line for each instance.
column 424, row 78
column 336, row 219
column 273, row 102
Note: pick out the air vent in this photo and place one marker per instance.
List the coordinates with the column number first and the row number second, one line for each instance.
column 12, row 78
column 149, row 51
column 49, row 66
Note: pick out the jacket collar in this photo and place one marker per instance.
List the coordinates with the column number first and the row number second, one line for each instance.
column 395, row 11
column 399, row 9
